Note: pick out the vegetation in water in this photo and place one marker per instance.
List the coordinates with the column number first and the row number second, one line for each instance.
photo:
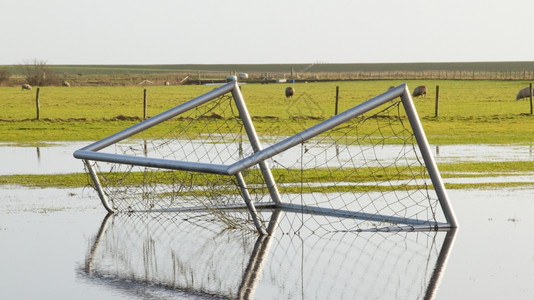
column 366, row 177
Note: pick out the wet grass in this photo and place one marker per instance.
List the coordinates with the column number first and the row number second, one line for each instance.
column 486, row 169
column 362, row 176
column 73, row 180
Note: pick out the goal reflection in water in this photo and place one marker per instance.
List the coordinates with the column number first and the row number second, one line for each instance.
column 193, row 254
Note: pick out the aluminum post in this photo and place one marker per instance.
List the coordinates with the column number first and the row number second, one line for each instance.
column 152, row 162
column 250, row 205
column 255, row 142
column 430, row 163
column 98, row 186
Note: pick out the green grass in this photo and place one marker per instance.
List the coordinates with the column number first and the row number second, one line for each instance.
column 73, row 180
column 448, row 170
column 469, row 111
column 486, row 169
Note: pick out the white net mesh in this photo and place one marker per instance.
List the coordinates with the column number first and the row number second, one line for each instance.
column 365, row 174
column 368, row 168
column 211, row 133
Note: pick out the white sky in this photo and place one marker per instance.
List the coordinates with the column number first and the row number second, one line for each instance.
column 275, row 31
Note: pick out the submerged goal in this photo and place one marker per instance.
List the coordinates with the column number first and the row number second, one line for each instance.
column 367, row 168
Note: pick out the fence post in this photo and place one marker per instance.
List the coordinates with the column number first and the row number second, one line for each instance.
column 37, row 103
column 337, row 98
column 437, row 101
column 144, row 104
column 530, row 85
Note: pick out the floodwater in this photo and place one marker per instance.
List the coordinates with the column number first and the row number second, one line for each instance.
column 61, row 244
column 57, row 158
column 58, row 244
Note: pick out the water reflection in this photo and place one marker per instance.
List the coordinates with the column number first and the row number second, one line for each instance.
column 192, row 256
column 38, row 154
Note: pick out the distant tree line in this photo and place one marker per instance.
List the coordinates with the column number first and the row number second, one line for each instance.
column 34, row 72
column 4, row 76
column 38, row 73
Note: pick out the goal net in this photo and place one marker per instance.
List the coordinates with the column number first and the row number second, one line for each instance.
column 365, row 169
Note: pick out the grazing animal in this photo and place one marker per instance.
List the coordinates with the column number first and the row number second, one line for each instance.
column 26, row 87
column 524, row 93
column 419, row 91
column 166, row 83
column 290, row 91
column 65, row 83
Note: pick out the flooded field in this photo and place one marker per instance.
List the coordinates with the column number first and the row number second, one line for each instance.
column 57, row 158
column 60, row 243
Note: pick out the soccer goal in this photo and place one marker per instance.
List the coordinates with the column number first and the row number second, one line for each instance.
column 367, row 168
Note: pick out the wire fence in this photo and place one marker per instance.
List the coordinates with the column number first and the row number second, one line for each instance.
column 457, row 99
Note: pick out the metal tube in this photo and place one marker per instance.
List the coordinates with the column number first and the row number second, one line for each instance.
column 273, row 222
column 316, row 130
column 250, row 205
column 373, row 217
column 255, row 142
column 98, row 187
column 121, row 135
column 430, row 163
column 152, row 162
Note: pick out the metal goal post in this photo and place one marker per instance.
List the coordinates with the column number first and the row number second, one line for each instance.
column 260, row 155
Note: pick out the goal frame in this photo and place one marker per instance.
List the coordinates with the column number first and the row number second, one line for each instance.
column 260, row 155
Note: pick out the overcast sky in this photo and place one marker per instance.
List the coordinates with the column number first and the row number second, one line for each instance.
column 275, row 31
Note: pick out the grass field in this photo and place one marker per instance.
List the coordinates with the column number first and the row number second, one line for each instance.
column 469, row 111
